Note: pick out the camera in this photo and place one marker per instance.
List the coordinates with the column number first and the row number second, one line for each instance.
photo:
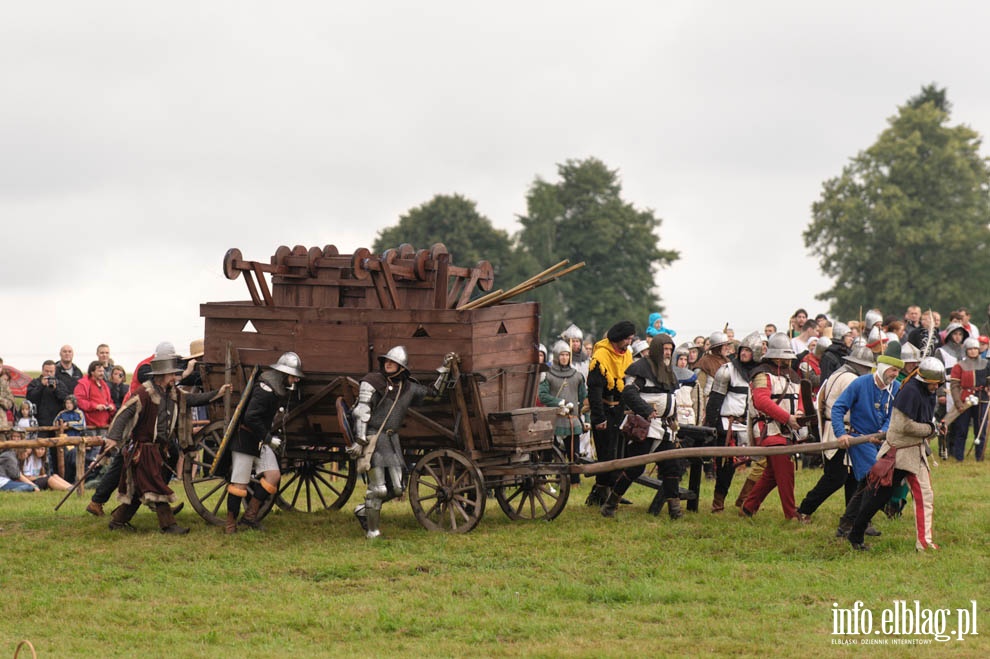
column 50, row 381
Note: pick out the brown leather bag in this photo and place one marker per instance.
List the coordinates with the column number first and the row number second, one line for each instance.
column 882, row 472
column 635, row 427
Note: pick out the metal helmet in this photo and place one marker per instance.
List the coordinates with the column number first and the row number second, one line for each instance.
column 839, row 330
column 910, row 353
column 823, row 345
column 931, row 370
column 638, row 346
column 754, row 343
column 717, row 339
column 165, row 349
column 572, row 332
column 289, row 363
column 779, row 347
column 873, row 316
column 399, row 356
column 542, row 348
column 560, row 347
column 971, row 342
column 861, row 355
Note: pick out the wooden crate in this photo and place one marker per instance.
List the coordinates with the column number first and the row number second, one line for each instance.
column 526, row 427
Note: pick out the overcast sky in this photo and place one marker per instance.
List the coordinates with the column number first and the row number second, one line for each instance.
column 141, row 140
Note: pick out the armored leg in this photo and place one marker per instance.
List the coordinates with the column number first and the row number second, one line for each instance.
column 376, row 494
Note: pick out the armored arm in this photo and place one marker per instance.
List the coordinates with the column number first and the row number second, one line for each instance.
column 362, row 413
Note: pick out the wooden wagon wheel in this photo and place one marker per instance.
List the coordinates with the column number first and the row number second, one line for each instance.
column 315, row 482
column 206, row 493
column 536, row 496
column 447, row 492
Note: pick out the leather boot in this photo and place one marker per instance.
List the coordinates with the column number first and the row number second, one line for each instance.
column 94, row 508
column 611, row 503
column 121, row 516
column 250, row 516
column 674, row 506
column 230, row 526
column 718, row 502
column 166, row 520
column 657, row 504
column 747, row 487
column 597, row 497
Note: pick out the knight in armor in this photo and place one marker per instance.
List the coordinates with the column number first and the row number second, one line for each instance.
column 649, row 390
column 773, row 407
column 686, row 379
column 564, row 388
column 836, row 473
column 726, row 410
column 384, row 397
column 579, row 360
column 968, row 388
column 606, row 380
column 719, row 352
column 257, row 439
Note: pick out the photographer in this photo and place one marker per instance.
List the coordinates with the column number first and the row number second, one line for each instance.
column 48, row 395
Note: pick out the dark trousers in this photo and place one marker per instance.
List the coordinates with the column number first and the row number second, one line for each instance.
column 834, row 476
column 854, row 505
column 872, row 502
column 608, row 443
column 959, row 430
column 109, row 479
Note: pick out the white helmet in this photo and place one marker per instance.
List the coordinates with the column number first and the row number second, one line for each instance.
column 638, row 346
column 397, row 355
column 560, row 347
column 873, row 316
column 572, row 332
column 779, row 347
column 931, row 370
column 289, row 363
column 971, row 342
column 910, row 353
column 839, row 330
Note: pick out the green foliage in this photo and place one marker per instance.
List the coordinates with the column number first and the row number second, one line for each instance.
column 454, row 221
column 582, row 217
column 581, row 585
column 907, row 221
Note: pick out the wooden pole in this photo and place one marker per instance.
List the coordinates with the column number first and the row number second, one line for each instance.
column 234, row 420
column 715, row 451
column 515, row 290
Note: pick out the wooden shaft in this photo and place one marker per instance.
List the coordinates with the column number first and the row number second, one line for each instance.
column 714, row 451
column 51, row 442
column 234, row 419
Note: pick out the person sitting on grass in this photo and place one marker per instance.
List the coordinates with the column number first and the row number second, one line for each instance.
column 11, row 478
column 32, row 463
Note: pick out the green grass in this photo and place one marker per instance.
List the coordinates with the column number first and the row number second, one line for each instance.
column 581, row 585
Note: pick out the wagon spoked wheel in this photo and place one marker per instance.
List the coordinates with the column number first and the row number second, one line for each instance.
column 447, row 492
column 208, row 493
column 537, row 495
column 314, row 483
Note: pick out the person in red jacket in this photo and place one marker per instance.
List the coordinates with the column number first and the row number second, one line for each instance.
column 773, row 408
column 93, row 397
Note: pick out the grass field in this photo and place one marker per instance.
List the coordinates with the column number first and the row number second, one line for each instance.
column 581, row 585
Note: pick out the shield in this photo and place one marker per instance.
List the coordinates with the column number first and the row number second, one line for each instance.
column 344, row 419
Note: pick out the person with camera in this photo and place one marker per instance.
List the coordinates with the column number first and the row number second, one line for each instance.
column 48, row 395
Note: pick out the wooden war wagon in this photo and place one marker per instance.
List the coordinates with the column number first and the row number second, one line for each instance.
column 339, row 312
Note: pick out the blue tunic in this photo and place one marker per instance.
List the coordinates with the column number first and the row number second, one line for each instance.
column 869, row 410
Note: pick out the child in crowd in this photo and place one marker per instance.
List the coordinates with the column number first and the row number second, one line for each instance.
column 26, row 418
column 72, row 421
column 32, row 462
column 655, row 326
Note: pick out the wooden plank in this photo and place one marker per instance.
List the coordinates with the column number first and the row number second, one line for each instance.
column 245, row 310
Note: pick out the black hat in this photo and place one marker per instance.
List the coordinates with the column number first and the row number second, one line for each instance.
column 621, row 330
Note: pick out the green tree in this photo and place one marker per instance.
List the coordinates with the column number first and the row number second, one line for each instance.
column 907, row 221
column 582, row 217
column 454, row 221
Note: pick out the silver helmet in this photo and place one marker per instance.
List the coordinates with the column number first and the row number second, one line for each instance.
column 910, row 354
column 971, row 342
column 638, row 346
column 289, row 363
column 823, row 345
column 558, row 348
column 861, row 355
column 839, row 330
column 717, row 339
column 399, row 356
column 754, row 343
column 873, row 316
column 779, row 347
column 572, row 332
column 931, row 370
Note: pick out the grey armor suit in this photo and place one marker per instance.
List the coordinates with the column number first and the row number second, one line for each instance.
column 384, row 397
